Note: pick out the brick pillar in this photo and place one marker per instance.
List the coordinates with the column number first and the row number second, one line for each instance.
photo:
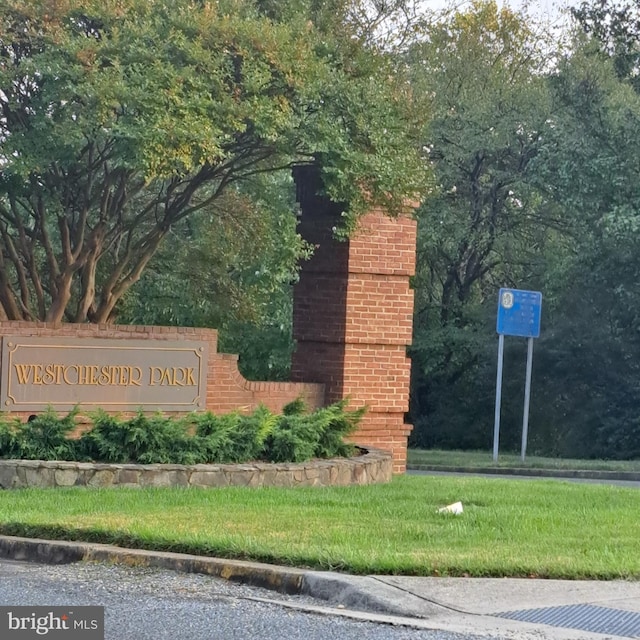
column 353, row 314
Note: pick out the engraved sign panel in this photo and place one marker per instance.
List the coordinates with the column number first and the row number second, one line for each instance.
column 114, row 374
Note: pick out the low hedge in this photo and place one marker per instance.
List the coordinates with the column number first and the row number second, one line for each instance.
column 198, row 438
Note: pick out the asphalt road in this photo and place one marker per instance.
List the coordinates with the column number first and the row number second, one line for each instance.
column 150, row 604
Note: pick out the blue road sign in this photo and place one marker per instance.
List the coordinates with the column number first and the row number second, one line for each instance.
column 519, row 313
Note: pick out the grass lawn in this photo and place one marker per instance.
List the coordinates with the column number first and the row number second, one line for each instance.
column 536, row 528
column 478, row 459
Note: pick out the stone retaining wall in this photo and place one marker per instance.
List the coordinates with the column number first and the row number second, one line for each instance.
column 374, row 466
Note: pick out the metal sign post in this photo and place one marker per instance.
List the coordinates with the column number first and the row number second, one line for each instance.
column 518, row 315
column 527, row 397
column 496, row 422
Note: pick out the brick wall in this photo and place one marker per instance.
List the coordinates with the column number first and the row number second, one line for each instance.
column 227, row 390
column 353, row 314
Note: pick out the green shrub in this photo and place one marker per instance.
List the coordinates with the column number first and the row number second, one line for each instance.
column 249, row 438
column 214, row 435
column 295, row 408
column 234, row 437
column 295, row 436
column 105, row 440
column 46, row 437
column 142, row 439
column 7, row 438
column 298, row 437
column 294, row 439
column 229, row 438
column 335, row 423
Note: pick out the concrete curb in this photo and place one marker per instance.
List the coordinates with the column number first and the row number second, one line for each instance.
column 363, row 593
column 284, row 579
column 632, row 476
column 367, row 593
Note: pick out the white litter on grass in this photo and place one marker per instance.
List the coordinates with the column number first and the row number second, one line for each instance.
column 455, row 508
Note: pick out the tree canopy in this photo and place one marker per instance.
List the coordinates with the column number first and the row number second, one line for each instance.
column 233, row 271
column 151, row 141
column 479, row 74
column 616, row 27
column 120, row 118
column 536, row 163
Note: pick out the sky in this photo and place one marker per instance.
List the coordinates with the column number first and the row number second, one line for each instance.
column 550, row 9
column 544, row 8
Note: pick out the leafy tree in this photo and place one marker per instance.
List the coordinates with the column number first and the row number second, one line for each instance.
column 589, row 376
column 564, row 220
column 481, row 81
column 480, row 74
column 616, row 26
column 122, row 118
column 231, row 268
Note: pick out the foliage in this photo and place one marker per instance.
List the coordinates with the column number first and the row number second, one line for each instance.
column 574, row 237
column 234, row 437
column 294, row 440
column 231, row 267
column 480, row 74
column 196, row 438
column 295, row 407
column 248, row 441
column 7, row 439
column 589, row 373
column 45, row 437
column 141, row 439
column 616, row 26
column 122, row 118
column 334, row 423
column 298, row 437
